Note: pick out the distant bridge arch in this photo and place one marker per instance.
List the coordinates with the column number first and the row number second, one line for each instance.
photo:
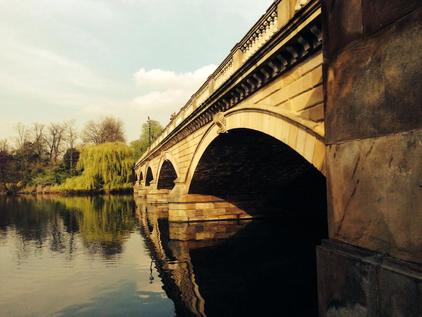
column 149, row 176
column 167, row 172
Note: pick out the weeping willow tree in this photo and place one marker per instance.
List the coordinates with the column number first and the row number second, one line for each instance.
column 107, row 166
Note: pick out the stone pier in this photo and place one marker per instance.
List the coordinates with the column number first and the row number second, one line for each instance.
column 372, row 264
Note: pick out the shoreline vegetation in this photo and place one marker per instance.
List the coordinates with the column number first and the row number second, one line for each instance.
column 30, row 190
column 48, row 160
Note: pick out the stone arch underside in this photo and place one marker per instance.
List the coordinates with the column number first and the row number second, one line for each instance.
column 166, row 175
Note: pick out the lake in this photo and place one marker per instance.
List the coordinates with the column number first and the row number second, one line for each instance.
column 117, row 256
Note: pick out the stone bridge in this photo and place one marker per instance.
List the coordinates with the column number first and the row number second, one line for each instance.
column 316, row 95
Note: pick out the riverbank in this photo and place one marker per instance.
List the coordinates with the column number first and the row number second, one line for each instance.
column 56, row 190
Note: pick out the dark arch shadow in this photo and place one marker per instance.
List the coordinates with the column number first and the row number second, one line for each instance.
column 141, row 177
column 262, row 176
column 167, row 176
column 246, row 164
column 149, row 178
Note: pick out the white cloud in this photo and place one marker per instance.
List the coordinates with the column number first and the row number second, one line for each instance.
column 161, row 99
column 162, row 93
column 37, row 71
column 168, row 89
column 158, row 79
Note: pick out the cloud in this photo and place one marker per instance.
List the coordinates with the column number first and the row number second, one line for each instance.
column 59, row 60
column 36, row 71
column 168, row 89
column 161, row 92
column 158, row 79
column 161, row 99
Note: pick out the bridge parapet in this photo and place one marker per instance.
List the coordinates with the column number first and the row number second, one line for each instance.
column 279, row 16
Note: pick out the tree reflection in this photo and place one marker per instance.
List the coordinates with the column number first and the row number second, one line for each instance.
column 101, row 223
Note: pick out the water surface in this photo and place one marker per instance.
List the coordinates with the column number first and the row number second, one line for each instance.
column 63, row 256
column 112, row 256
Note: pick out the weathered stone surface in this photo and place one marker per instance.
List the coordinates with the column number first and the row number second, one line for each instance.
column 157, row 196
column 376, row 194
column 355, row 282
column 141, row 192
column 375, row 86
column 379, row 13
column 343, row 24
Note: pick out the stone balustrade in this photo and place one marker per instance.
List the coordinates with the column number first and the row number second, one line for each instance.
column 259, row 35
column 224, row 72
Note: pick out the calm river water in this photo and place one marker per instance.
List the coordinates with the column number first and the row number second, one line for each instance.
column 112, row 256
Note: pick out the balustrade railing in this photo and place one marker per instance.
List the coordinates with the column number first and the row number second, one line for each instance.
column 225, row 71
column 259, row 35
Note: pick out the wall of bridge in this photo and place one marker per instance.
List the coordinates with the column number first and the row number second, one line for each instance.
column 372, row 266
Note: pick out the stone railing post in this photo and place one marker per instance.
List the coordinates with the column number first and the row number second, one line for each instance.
column 237, row 58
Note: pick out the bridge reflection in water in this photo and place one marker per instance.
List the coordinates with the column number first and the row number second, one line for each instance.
column 234, row 268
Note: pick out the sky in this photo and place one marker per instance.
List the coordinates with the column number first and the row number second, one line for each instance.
column 87, row 59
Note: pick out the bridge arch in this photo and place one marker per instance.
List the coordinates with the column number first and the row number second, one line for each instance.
column 149, row 176
column 297, row 136
column 167, row 172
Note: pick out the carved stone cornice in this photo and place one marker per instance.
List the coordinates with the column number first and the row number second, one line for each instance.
column 304, row 44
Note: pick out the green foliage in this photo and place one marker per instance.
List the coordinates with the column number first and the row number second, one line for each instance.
column 107, row 166
column 138, row 148
column 52, row 175
column 7, row 169
column 70, row 161
column 149, row 132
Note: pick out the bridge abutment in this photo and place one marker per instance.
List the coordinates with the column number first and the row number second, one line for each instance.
column 372, row 266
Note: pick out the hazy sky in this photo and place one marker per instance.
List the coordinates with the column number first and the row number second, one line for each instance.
column 85, row 59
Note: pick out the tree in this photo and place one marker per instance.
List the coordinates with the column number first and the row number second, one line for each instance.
column 91, row 133
column 70, row 160
column 71, row 136
column 106, row 166
column 149, row 132
column 55, row 140
column 107, row 130
column 26, row 160
column 38, row 139
column 22, row 135
column 4, row 145
column 6, row 167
